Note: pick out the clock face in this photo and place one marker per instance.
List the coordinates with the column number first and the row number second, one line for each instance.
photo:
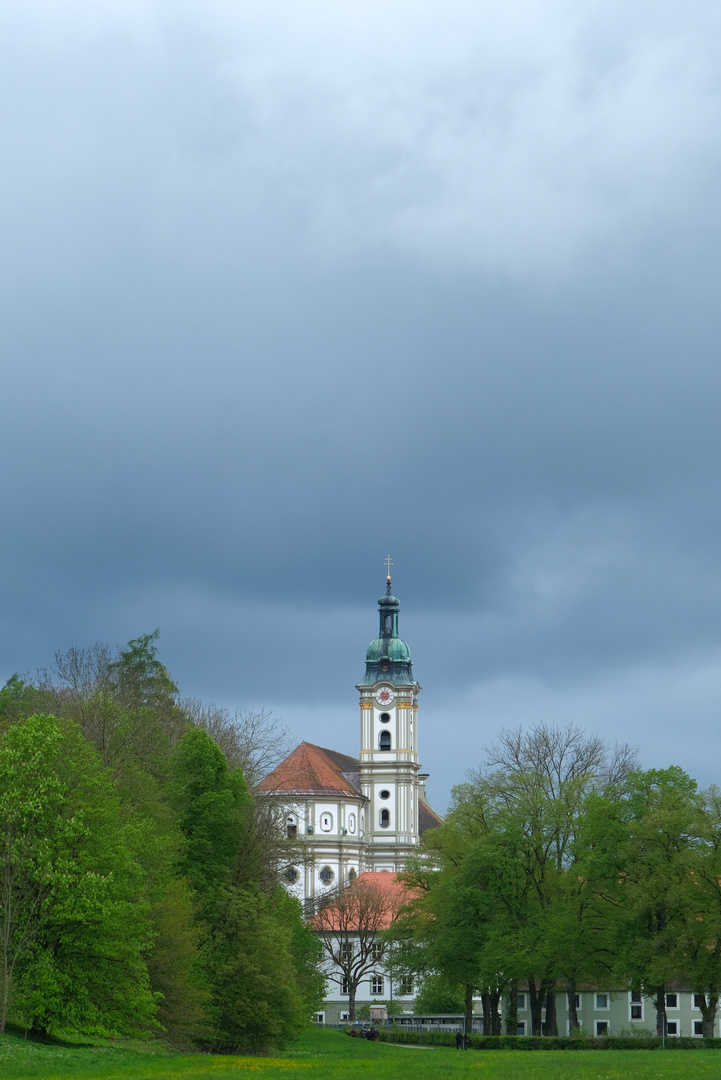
column 384, row 696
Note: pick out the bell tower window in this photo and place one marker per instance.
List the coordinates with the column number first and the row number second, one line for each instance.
column 384, row 741
column 385, row 819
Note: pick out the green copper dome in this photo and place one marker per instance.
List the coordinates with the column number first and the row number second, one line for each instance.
column 388, row 658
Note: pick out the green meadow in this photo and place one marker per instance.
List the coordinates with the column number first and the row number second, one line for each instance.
column 330, row 1055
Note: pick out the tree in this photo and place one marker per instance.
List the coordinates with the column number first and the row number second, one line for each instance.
column 214, row 811
column 700, row 939
column 350, row 924
column 651, row 840
column 18, row 698
column 509, row 889
column 259, row 961
column 437, row 995
column 73, row 922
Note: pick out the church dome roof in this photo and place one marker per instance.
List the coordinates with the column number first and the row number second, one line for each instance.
column 388, row 658
column 388, row 649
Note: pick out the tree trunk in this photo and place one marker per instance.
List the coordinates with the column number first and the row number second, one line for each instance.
column 660, row 1004
column 709, row 1004
column 468, row 1027
column 4, row 1007
column 486, row 1003
column 495, row 999
column 536, row 995
column 512, row 1011
column 551, row 1019
column 351, row 1001
column 573, row 1024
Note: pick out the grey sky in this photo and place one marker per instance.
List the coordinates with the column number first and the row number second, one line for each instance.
column 286, row 287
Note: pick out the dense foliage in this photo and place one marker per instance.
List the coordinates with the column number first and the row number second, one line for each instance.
column 137, row 892
column 562, row 866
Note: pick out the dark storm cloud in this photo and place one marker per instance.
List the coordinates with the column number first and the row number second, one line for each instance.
column 283, row 290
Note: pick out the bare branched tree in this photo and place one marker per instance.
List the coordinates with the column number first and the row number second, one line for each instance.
column 558, row 759
column 252, row 741
column 349, row 925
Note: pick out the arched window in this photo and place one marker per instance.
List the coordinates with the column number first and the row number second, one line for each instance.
column 352, row 874
column 292, row 825
column 385, row 819
column 384, row 742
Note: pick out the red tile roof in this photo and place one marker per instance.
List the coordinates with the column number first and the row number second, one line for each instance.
column 313, row 770
column 371, row 903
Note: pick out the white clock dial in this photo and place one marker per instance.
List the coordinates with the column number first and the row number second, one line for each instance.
column 385, row 696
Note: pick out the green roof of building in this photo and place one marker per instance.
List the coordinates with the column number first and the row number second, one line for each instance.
column 388, row 658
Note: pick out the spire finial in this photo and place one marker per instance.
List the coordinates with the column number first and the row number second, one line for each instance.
column 389, row 562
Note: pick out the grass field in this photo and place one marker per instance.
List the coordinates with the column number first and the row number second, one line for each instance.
column 330, row 1055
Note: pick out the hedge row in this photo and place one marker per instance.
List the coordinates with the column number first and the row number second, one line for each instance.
column 547, row 1042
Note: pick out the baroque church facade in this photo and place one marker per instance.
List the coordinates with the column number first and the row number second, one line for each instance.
column 365, row 814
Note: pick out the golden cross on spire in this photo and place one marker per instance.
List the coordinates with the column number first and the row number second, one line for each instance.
column 389, row 562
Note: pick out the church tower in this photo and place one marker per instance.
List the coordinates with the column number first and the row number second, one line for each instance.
column 389, row 744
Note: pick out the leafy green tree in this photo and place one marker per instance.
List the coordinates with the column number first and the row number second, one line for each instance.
column 214, row 811
column 17, row 699
column 652, row 839
column 73, row 924
column 305, row 950
column 439, row 996
column 175, row 966
column 260, row 965
column 257, row 1000
column 510, row 890
column 699, row 940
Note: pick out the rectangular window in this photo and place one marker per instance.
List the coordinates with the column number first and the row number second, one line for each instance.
column 672, row 1027
column 636, row 997
column 601, row 1001
column 601, row 1027
column 406, row 986
column 697, row 1001
column 377, row 950
column 346, row 952
column 671, row 1001
column 520, row 1001
column 577, row 1000
column 698, row 1027
column 344, row 986
column 521, row 1029
column 377, row 984
column 637, row 1012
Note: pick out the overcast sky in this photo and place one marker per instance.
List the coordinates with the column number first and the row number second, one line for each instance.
column 287, row 287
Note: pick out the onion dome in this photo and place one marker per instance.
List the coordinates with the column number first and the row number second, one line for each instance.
column 388, row 658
